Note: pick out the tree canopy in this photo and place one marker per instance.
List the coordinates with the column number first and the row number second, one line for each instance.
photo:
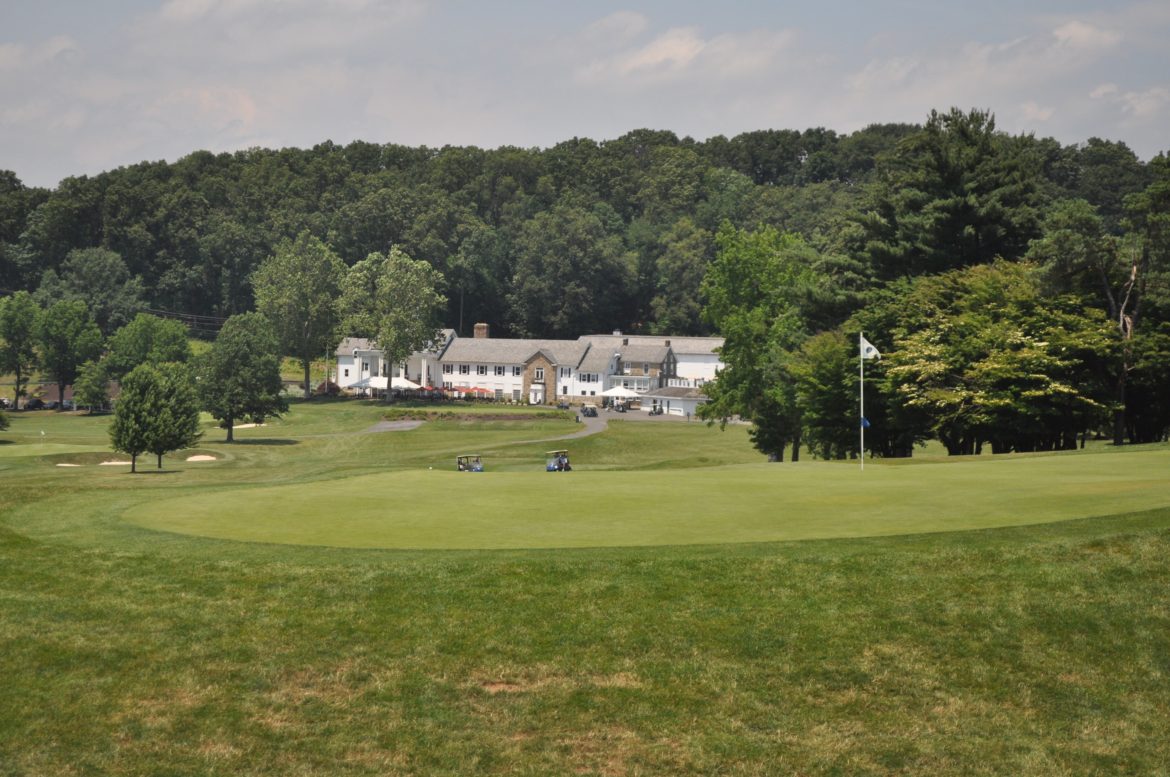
column 238, row 378
column 297, row 290
column 395, row 301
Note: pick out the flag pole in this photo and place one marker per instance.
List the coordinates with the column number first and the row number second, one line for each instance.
column 861, row 395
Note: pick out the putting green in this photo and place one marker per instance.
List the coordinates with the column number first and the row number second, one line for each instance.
column 754, row 503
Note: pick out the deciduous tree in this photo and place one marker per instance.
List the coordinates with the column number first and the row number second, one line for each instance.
column 238, row 378
column 146, row 339
column 395, row 301
column 157, row 412
column 68, row 338
column 18, row 339
column 297, row 290
column 754, row 290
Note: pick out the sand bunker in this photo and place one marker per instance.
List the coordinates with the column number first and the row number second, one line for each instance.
column 246, row 426
column 200, row 457
column 68, row 465
column 114, row 463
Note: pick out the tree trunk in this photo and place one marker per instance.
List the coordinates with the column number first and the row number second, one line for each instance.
column 133, row 462
column 796, row 448
column 160, row 461
column 308, row 382
column 1119, row 411
column 231, row 422
column 60, row 397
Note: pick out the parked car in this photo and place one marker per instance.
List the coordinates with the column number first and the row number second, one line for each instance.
column 34, row 403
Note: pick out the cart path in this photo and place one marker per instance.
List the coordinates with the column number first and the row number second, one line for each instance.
column 589, row 426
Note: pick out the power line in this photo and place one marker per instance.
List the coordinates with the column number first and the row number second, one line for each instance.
column 197, row 324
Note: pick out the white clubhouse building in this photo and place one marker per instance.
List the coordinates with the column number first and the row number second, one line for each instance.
column 547, row 371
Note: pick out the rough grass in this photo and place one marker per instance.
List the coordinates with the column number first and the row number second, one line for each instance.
column 1027, row 650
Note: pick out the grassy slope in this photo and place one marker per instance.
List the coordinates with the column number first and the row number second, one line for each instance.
column 1039, row 650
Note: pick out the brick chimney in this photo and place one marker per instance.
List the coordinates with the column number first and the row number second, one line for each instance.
column 482, row 331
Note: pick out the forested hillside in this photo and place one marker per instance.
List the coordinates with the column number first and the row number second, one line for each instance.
column 770, row 238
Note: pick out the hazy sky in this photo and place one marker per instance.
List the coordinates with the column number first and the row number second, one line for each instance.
column 89, row 85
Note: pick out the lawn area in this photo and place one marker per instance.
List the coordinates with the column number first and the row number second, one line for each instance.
column 688, row 633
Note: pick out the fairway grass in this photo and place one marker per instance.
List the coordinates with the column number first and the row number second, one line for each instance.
column 753, row 503
column 128, row 649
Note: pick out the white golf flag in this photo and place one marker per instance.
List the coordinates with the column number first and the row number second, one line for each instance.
column 867, row 349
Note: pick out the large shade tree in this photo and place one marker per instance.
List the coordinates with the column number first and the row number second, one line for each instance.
column 99, row 278
column 238, row 378
column 18, row 340
column 68, row 338
column 395, row 301
column 988, row 357
column 145, row 339
column 297, row 290
column 157, row 412
column 754, row 290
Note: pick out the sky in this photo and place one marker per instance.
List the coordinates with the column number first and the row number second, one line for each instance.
column 88, row 86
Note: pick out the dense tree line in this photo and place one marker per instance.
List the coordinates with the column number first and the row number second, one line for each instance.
column 1015, row 312
column 631, row 220
column 781, row 240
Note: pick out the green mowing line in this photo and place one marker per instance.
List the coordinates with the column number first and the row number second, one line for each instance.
column 752, row 503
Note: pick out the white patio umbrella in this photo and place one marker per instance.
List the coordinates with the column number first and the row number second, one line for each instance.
column 403, row 383
column 620, row 392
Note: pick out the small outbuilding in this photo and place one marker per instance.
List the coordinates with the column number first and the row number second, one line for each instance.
column 674, row 400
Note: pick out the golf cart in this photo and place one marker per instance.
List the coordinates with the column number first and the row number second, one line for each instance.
column 589, row 411
column 471, row 462
column 557, row 461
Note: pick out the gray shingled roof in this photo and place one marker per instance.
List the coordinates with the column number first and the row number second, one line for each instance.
column 675, row 392
column 680, row 345
column 643, row 352
column 350, row 344
column 491, row 350
column 597, row 360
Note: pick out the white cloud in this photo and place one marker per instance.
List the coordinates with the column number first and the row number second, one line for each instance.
column 58, row 48
column 1079, row 35
column 1103, row 90
column 682, row 53
column 1034, row 112
column 1146, row 104
column 617, row 28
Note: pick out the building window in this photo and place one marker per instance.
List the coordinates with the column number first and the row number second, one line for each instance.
column 500, row 370
column 564, row 391
column 499, row 394
column 582, row 392
column 539, row 373
column 517, row 372
column 515, row 395
column 566, row 372
column 464, row 369
column 347, row 372
column 365, row 366
column 481, row 369
column 448, row 369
